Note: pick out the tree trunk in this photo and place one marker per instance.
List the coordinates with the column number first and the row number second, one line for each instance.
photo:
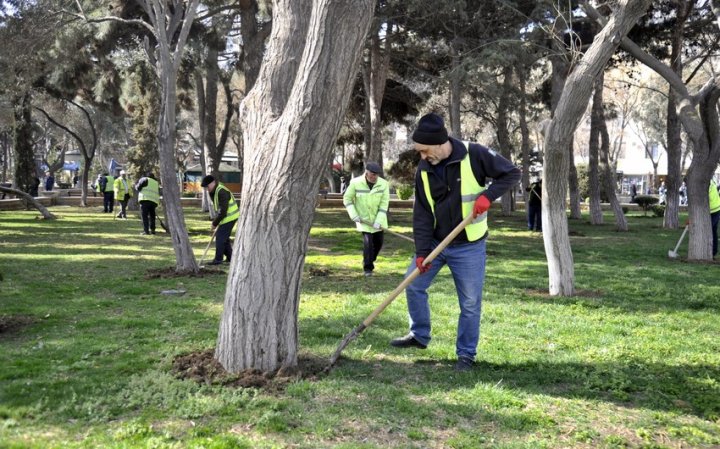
column 29, row 200
column 607, row 175
column 25, row 170
column 375, row 72
column 596, row 215
column 573, row 184
column 568, row 114
column 503, row 135
column 674, row 140
column 291, row 119
column 455, row 96
column 524, row 132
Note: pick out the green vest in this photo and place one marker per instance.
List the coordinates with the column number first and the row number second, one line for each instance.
column 233, row 211
column 470, row 190
column 110, row 181
column 151, row 192
column 714, row 197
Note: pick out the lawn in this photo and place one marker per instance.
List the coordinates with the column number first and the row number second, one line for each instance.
column 87, row 344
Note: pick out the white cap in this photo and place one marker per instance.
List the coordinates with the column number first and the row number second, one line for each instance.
column 122, row 172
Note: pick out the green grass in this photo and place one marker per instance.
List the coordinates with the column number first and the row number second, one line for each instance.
column 632, row 361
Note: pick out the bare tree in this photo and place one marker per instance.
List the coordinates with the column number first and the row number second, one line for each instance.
column 290, row 119
column 568, row 113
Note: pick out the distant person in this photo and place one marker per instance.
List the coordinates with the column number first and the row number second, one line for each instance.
column 343, row 184
column 76, row 178
column 123, row 193
column 633, row 192
column 366, row 200
column 49, row 182
column 105, row 185
column 228, row 213
column 149, row 198
column 714, row 215
column 683, row 194
column 34, row 187
column 450, row 185
column 662, row 191
column 535, row 206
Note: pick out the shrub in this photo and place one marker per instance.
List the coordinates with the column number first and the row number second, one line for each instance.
column 658, row 210
column 645, row 201
column 405, row 191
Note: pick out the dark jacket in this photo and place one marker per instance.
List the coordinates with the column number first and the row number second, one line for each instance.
column 223, row 202
column 535, row 197
column 485, row 164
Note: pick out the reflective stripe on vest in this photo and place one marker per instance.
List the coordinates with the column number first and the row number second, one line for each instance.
column 151, row 192
column 714, row 197
column 233, row 211
column 470, row 190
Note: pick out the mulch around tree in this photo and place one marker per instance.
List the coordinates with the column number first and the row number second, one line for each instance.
column 202, row 367
column 170, row 272
column 12, row 323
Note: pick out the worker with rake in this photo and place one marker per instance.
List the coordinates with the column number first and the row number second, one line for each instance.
column 366, row 200
column 451, row 183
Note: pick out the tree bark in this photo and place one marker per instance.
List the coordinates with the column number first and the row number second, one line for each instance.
column 607, row 174
column 503, row 135
column 568, row 113
column 455, row 93
column 375, row 72
column 596, row 216
column 290, row 119
column 25, row 170
column 524, row 131
column 171, row 27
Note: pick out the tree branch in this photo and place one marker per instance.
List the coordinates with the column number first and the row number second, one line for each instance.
column 29, row 199
column 64, row 128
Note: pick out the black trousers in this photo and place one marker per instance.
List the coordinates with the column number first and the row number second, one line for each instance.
column 223, row 245
column 108, row 201
column 147, row 211
column 123, row 206
column 372, row 244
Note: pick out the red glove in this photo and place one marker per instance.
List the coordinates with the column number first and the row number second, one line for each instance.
column 482, row 204
column 419, row 264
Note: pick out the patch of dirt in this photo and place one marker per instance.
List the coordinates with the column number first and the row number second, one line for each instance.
column 202, row 367
column 318, row 272
column 576, row 234
column 13, row 323
column 168, row 273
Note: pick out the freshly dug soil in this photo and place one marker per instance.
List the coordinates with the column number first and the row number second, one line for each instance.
column 13, row 323
column 203, row 368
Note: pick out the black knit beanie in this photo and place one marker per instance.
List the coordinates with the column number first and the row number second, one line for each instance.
column 430, row 130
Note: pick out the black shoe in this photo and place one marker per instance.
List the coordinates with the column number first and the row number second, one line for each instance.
column 215, row 262
column 464, row 364
column 144, row 233
column 152, row 232
column 407, row 341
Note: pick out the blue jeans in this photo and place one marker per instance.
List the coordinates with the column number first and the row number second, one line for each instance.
column 467, row 265
column 534, row 217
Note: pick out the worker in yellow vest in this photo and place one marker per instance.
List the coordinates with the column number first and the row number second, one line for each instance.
column 228, row 213
column 123, row 193
column 366, row 200
column 149, row 198
column 104, row 185
column 450, row 184
column 714, row 214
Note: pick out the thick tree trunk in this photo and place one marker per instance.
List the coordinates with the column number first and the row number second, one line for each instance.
column 567, row 115
column 596, row 216
column 23, row 143
column 290, row 120
column 29, row 200
column 573, row 184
